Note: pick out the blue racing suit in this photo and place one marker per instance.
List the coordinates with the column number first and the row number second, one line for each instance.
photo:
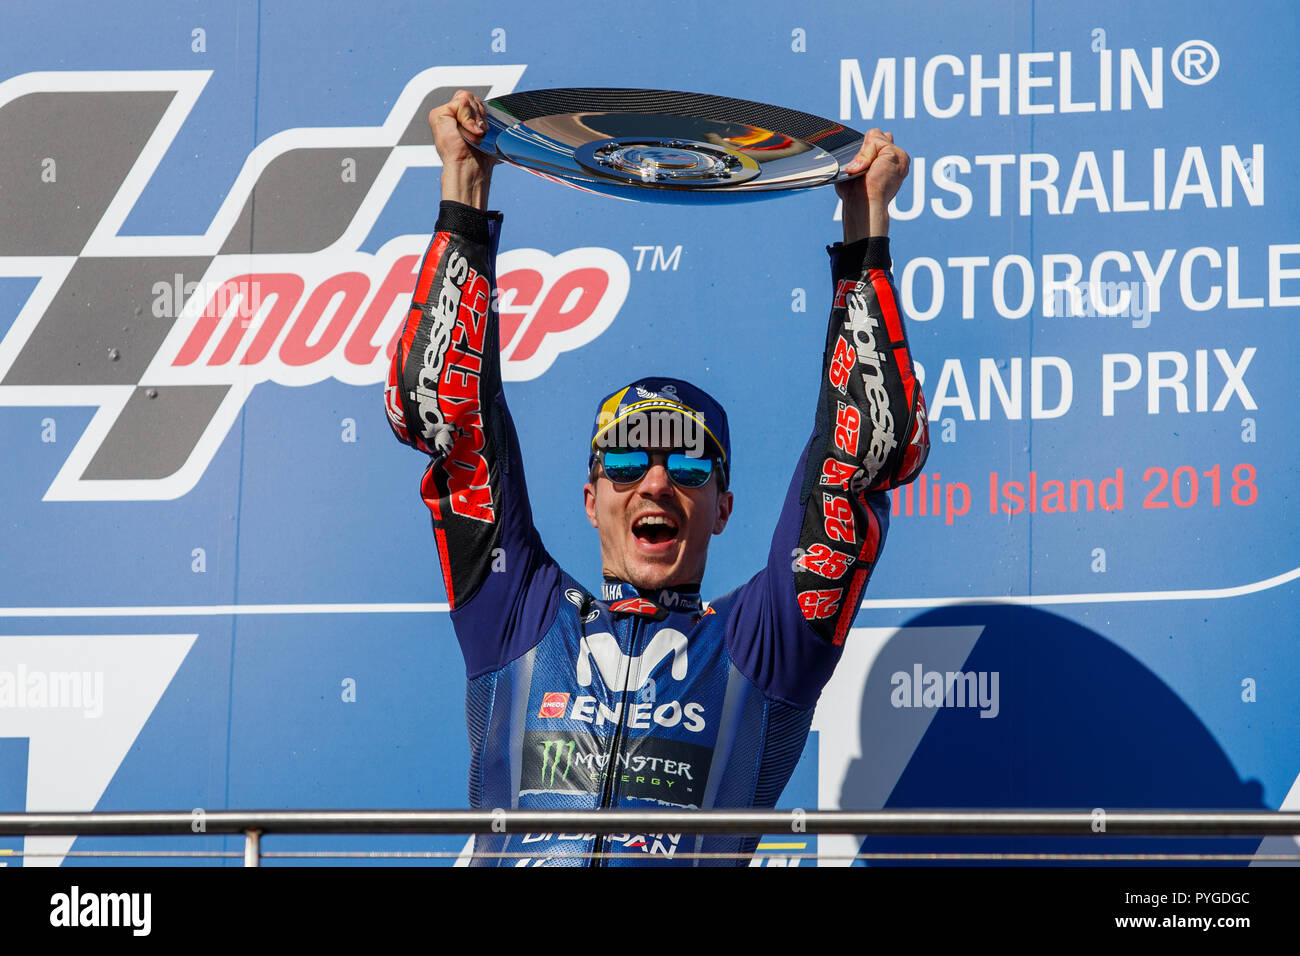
column 643, row 699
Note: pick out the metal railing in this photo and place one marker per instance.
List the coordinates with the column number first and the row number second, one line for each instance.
column 253, row 824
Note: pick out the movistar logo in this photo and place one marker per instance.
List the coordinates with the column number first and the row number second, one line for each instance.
column 618, row 669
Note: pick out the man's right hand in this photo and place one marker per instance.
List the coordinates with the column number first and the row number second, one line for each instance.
column 466, row 172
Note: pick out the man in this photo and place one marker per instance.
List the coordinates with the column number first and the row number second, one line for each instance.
column 644, row 697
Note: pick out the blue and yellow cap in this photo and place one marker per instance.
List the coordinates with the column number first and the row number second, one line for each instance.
column 624, row 420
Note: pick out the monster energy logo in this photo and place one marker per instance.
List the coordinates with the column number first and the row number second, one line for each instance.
column 671, row 772
column 553, row 752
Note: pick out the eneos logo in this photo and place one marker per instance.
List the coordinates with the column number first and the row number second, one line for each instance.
column 553, row 704
column 168, row 335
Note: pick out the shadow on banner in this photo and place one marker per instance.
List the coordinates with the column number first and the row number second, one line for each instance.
column 1043, row 714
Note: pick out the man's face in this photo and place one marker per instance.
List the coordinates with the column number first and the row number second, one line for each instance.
column 654, row 533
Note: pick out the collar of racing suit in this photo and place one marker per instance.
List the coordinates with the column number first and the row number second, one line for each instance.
column 624, row 597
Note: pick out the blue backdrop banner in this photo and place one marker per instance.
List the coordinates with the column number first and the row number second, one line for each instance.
column 219, row 586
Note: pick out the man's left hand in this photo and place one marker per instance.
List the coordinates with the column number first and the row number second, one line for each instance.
column 866, row 199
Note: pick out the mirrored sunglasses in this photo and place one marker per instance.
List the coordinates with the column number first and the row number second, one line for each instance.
column 628, row 466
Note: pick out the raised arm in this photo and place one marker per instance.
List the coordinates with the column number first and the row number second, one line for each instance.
column 870, row 434
column 444, row 397
column 452, row 293
column 871, row 326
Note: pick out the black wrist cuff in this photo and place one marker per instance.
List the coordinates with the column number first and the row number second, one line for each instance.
column 869, row 253
column 464, row 220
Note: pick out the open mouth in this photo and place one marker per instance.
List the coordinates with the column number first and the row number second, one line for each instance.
column 655, row 529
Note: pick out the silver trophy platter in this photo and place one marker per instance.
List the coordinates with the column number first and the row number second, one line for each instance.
column 665, row 146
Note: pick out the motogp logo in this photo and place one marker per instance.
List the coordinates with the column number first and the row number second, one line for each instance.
column 168, row 335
